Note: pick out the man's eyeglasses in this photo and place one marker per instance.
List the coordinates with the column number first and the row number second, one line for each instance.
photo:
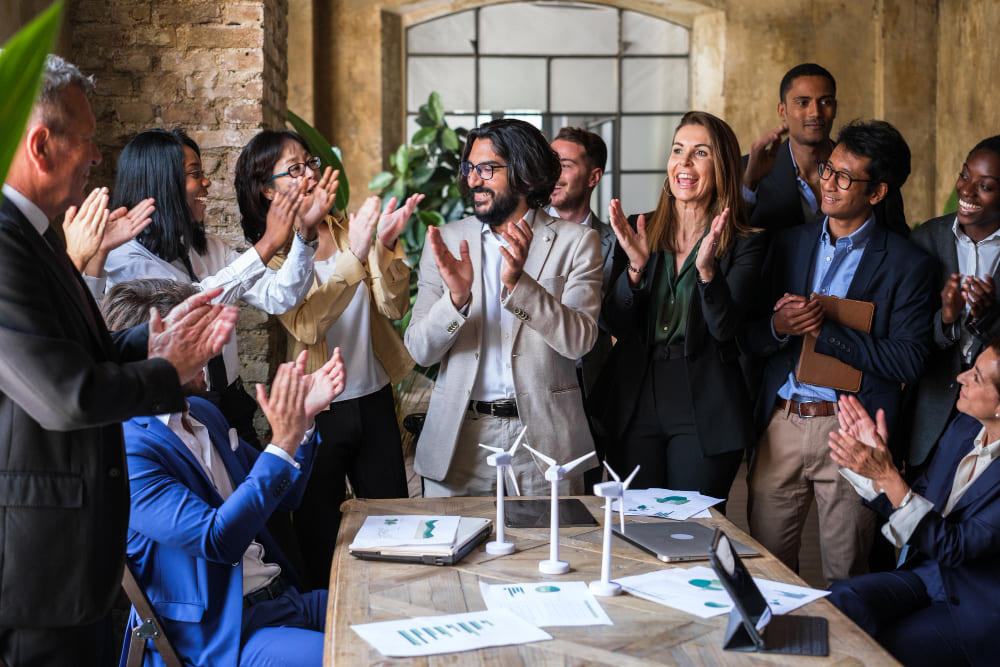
column 297, row 169
column 843, row 179
column 484, row 169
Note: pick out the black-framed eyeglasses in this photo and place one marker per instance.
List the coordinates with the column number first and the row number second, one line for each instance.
column 297, row 169
column 484, row 169
column 843, row 179
column 197, row 173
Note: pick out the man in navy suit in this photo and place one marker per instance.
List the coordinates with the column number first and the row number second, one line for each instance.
column 939, row 607
column 850, row 254
column 197, row 538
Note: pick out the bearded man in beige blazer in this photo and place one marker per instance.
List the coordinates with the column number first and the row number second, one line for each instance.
column 508, row 301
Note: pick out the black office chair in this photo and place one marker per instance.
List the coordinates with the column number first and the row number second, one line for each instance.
column 149, row 627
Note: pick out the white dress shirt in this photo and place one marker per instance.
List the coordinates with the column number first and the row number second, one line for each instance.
column 351, row 332
column 904, row 520
column 495, row 378
column 40, row 222
column 257, row 573
column 241, row 277
column 974, row 259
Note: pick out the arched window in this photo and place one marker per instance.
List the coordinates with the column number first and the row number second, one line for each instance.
column 621, row 74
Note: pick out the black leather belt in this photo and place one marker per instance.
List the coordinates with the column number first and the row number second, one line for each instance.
column 663, row 352
column 504, row 408
column 270, row 592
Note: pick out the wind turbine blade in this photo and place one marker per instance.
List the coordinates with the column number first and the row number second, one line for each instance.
column 513, row 481
column 496, row 450
column 575, row 462
column 621, row 511
column 518, row 440
column 543, row 457
column 630, row 478
column 614, row 475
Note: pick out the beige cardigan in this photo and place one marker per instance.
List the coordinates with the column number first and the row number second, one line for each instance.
column 388, row 279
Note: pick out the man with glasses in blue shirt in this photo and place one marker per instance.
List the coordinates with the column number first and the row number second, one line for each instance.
column 850, row 254
column 508, row 301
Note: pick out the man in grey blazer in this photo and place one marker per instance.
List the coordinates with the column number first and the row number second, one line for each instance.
column 508, row 301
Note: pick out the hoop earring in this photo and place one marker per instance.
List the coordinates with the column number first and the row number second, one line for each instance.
column 666, row 190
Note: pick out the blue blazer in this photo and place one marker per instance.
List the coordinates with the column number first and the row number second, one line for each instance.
column 894, row 274
column 186, row 546
column 965, row 545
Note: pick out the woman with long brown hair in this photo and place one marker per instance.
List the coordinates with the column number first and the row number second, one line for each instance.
column 674, row 400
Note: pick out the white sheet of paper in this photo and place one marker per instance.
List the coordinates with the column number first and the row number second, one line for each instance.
column 430, row 635
column 406, row 529
column 697, row 591
column 545, row 603
column 665, row 503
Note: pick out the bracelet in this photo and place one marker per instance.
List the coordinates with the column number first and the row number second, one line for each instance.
column 312, row 244
column 628, row 265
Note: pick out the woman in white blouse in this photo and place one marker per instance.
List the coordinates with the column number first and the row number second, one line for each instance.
column 166, row 165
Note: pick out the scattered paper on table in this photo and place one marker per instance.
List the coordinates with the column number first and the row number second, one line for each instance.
column 429, row 635
column 696, row 590
column 547, row 603
column 406, row 530
column 665, row 503
column 704, row 514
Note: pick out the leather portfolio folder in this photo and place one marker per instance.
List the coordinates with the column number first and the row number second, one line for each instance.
column 822, row 369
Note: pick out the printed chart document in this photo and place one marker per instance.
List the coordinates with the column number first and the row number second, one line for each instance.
column 406, row 530
column 666, row 503
column 696, row 590
column 544, row 603
column 429, row 635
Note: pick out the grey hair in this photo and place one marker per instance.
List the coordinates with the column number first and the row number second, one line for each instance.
column 57, row 76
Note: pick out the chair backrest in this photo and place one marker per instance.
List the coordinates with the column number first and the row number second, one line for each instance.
column 149, row 627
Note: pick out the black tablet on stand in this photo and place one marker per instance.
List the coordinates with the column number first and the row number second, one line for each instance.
column 752, row 627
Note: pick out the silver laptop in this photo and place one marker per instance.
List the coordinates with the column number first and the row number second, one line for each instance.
column 471, row 533
column 676, row 541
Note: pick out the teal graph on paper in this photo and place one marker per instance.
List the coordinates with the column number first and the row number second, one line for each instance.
column 424, row 635
column 674, row 500
column 706, row 584
column 425, row 529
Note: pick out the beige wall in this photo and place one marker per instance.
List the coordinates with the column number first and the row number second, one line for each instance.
column 885, row 54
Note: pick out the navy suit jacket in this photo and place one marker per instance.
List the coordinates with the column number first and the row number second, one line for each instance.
column 965, row 545
column 186, row 545
column 894, row 274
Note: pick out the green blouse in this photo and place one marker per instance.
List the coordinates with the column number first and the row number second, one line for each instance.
column 671, row 298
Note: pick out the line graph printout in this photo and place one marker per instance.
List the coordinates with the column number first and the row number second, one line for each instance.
column 430, row 635
column 547, row 604
column 665, row 503
column 406, row 530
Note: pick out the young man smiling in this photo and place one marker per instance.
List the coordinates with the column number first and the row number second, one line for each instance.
column 849, row 254
column 507, row 319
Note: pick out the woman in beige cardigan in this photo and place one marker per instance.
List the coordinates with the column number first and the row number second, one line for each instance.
column 361, row 284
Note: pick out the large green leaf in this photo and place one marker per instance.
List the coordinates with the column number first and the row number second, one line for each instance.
column 318, row 145
column 21, row 64
column 951, row 206
column 380, row 180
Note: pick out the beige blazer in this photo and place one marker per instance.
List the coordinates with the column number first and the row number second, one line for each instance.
column 388, row 278
column 555, row 303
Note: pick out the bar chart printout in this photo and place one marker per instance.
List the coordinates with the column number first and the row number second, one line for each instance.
column 429, row 635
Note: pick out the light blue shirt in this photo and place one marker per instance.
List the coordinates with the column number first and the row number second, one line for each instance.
column 834, row 267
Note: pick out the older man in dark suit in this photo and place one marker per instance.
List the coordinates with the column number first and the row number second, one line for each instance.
column 65, row 387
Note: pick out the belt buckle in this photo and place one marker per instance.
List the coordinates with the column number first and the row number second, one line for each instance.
column 493, row 408
column 798, row 409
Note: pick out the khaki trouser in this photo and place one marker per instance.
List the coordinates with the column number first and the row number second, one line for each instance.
column 470, row 475
column 792, row 465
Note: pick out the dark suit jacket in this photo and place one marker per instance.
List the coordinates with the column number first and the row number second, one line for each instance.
column 963, row 546
column 186, row 544
column 65, row 388
column 934, row 396
column 892, row 273
column 779, row 204
column 722, row 407
column 594, row 360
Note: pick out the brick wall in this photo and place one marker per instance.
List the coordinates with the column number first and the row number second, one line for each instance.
column 216, row 69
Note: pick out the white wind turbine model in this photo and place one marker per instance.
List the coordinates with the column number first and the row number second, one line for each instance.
column 611, row 491
column 501, row 460
column 554, row 474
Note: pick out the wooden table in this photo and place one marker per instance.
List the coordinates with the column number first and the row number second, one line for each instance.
column 643, row 632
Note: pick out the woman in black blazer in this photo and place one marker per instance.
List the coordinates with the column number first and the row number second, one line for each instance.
column 673, row 397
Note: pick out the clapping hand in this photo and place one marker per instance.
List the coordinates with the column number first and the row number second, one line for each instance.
column 193, row 332
column 316, row 204
column 393, row 220
column 705, row 261
column 85, row 227
column 285, row 408
column 518, row 237
column 361, row 227
column 455, row 272
column 979, row 293
column 323, row 385
column 796, row 315
column 952, row 300
column 859, row 446
column 282, row 213
column 632, row 241
column 762, row 155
